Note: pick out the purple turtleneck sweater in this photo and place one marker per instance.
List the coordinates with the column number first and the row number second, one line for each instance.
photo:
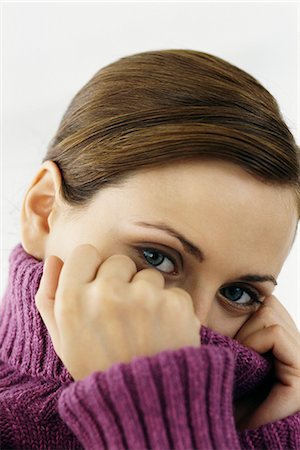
column 176, row 399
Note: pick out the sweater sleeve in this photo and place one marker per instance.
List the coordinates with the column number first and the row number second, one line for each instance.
column 283, row 434
column 179, row 399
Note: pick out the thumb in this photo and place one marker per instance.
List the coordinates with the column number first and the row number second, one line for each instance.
column 45, row 296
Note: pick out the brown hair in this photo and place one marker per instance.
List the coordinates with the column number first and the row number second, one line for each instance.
column 158, row 107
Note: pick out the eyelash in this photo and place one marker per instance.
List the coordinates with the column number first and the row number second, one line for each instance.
column 255, row 296
column 156, row 250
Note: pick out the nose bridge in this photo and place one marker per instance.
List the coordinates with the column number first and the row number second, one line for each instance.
column 202, row 289
column 203, row 301
column 202, row 311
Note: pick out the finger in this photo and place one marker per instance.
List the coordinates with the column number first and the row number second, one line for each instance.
column 276, row 339
column 119, row 267
column 153, row 276
column 185, row 303
column 185, row 300
column 45, row 296
column 270, row 313
column 80, row 266
column 282, row 311
column 50, row 278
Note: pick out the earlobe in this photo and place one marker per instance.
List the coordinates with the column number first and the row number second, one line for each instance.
column 38, row 208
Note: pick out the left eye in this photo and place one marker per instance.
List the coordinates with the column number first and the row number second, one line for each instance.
column 240, row 295
column 158, row 260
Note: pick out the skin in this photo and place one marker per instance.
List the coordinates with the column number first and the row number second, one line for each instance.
column 94, row 274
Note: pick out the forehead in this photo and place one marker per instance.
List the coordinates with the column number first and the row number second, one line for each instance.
column 193, row 180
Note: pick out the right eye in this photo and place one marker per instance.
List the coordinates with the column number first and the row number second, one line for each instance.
column 158, row 260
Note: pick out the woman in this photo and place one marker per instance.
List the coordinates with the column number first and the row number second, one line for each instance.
column 139, row 310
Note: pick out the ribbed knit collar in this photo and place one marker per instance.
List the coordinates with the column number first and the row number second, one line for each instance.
column 24, row 340
column 25, row 343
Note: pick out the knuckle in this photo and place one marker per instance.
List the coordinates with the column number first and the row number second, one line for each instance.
column 153, row 272
column 145, row 295
column 124, row 259
column 105, row 282
column 270, row 300
column 141, row 285
column 175, row 298
column 112, row 291
column 108, row 294
column 84, row 248
column 180, row 300
column 277, row 330
column 265, row 313
column 180, row 294
column 143, row 288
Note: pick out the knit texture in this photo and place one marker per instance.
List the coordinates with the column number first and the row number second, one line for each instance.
column 180, row 399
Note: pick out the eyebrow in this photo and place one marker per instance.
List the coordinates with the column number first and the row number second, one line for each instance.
column 193, row 250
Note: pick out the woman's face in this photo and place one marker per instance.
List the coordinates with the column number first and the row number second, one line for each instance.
column 209, row 227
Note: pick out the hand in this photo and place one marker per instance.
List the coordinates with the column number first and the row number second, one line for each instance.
column 272, row 328
column 99, row 313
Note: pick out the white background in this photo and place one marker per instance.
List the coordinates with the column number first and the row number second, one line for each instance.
column 50, row 50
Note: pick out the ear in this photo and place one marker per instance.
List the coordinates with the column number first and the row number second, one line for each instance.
column 38, row 209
